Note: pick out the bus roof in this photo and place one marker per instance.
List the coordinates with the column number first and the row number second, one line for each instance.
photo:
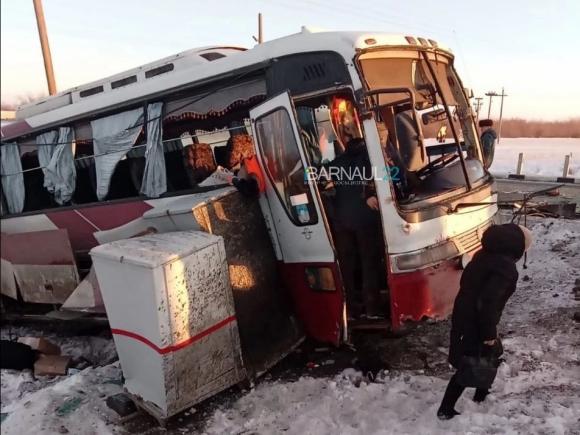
column 183, row 70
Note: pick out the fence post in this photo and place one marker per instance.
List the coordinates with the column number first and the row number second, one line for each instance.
column 565, row 178
column 519, row 169
column 566, row 166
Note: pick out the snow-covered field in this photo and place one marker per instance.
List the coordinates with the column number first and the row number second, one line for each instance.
column 537, row 390
column 542, row 156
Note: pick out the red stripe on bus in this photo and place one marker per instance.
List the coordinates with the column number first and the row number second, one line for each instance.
column 178, row 346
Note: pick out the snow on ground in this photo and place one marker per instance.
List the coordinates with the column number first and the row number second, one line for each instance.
column 73, row 404
column 542, row 156
column 537, row 390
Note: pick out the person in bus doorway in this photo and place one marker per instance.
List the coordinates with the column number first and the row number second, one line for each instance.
column 356, row 228
column 487, row 283
column 488, row 138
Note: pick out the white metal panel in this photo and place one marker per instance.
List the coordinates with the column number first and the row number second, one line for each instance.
column 27, row 224
column 132, row 296
column 169, row 302
column 402, row 236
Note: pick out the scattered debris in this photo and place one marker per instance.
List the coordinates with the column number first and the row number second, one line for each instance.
column 122, row 404
column 69, row 406
column 51, row 365
column 41, row 344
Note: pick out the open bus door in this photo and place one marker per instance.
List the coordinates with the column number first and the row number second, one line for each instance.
column 295, row 218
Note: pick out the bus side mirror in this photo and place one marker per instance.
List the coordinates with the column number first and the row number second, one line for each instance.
column 468, row 92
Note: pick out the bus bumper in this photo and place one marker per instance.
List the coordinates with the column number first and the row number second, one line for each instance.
column 424, row 293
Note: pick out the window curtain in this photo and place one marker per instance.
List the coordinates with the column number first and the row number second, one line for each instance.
column 12, row 177
column 154, row 181
column 113, row 136
column 46, row 143
column 56, row 156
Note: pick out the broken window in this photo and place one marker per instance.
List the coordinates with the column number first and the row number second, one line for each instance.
column 284, row 167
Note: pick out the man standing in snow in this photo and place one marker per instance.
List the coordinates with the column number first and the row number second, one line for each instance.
column 486, row 285
column 488, row 138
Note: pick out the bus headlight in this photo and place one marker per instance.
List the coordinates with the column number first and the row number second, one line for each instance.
column 427, row 256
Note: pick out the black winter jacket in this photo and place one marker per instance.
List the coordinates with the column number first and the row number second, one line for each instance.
column 350, row 207
column 487, row 283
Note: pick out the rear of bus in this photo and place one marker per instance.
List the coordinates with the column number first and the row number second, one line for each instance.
column 436, row 197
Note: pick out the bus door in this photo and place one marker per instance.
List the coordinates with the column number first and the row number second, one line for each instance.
column 294, row 215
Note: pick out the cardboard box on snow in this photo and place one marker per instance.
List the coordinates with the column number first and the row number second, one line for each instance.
column 41, row 345
column 51, row 365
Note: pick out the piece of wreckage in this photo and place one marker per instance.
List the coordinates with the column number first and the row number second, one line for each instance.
column 193, row 331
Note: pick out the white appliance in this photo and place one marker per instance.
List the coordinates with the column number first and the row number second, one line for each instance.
column 170, row 306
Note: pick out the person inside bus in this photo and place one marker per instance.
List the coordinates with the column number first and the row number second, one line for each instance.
column 487, row 283
column 356, row 229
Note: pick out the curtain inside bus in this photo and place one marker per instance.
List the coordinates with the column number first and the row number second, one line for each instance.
column 46, row 143
column 154, row 181
column 113, row 136
column 216, row 102
column 56, row 157
column 12, row 177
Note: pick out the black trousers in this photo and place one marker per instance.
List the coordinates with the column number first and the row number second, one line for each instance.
column 360, row 248
column 454, row 392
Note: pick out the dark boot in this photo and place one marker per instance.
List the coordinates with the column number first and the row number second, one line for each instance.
column 480, row 395
column 447, row 415
column 453, row 392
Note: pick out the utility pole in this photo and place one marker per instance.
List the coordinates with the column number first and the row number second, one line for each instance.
column 490, row 94
column 260, row 34
column 45, row 47
column 478, row 104
column 503, row 94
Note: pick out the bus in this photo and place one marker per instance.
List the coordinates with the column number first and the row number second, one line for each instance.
column 83, row 167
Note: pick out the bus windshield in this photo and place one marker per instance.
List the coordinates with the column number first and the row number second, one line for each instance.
column 424, row 121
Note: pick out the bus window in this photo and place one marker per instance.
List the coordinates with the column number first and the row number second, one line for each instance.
column 284, row 166
column 327, row 140
column 411, row 94
column 36, row 197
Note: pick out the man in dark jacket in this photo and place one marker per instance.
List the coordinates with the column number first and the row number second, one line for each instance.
column 486, row 285
column 487, row 138
column 356, row 226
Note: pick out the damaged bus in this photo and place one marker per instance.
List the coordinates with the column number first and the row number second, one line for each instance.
column 131, row 154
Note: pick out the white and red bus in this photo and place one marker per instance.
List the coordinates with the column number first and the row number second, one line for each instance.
column 82, row 167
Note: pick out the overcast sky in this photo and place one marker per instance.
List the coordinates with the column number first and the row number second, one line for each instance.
column 530, row 47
